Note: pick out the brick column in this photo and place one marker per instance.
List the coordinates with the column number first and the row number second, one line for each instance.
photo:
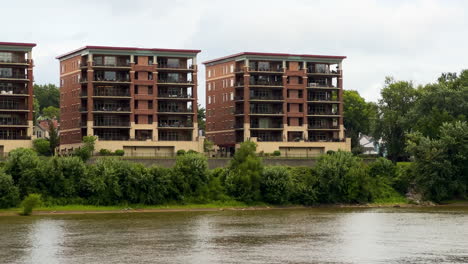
column 340, row 106
column 194, row 102
column 246, row 101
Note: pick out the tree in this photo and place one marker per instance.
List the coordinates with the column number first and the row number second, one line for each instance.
column 9, row 193
column 398, row 98
column 190, row 174
column 42, row 146
column 358, row 116
column 208, row 145
column 47, row 95
column 53, row 137
column 37, row 110
column 201, row 117
column 245, row 171
column 87, row 150
column 441, row 164
column 276, row 185
column 51, row 112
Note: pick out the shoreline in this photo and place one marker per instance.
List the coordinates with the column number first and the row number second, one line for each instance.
column 193, row 208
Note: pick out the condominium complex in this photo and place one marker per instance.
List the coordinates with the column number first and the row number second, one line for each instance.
column 142, row 101
column 285, row 102
column 16, row 95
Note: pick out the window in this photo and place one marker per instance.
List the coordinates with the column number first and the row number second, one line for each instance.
column 63, row 68
column 232, row 96
column 110, row 60
column 209, row 99
column 150, row 119
column 136, row 105
column 150, row 104
column 232, row 81
column 150, row 90
column 232, row 67
column 209, row 86
column 209, row 73
column 61, row 82
column 136, row 89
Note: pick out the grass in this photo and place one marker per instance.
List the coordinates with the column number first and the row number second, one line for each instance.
column 94, row 208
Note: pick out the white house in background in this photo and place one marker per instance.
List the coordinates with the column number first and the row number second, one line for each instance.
column 369, row 144
column 41, row 130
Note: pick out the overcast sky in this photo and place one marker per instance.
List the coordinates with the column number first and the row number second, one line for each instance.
column 409, row 40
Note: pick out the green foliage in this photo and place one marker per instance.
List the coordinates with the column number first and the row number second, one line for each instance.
column 51, row 112
column 405, row 176
column 180, row 152
column 358, row 117
column 22, row 164
column 30, row 202
column 191, row 151
column 59, row 177
column 53, row 137
column 42, row 146
column 384, row 168
column 190, row 175
column 276, row 185
column 276, row 153
column 105, row 152
column 398, row 98
column 201, row 118
column 305, row 186
column 119, row 152
column 245, row 170
column 9, row 193
column 208, row 145
column 441, row 164
column 47, row 95
column 87, row 150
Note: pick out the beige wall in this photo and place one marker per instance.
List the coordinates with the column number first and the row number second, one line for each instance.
column 270, row 147
column 9, row 145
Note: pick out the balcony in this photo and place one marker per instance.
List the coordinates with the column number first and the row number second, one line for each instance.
column 13, row 92
column 175, row 96
column 7, row 136
column 268, row 138
column 322, row 126
column 322, row 71
column 13, row 122
column 14, row 76
column 13, row 61
column 113, row 80
column 269, row 126
column 175, row 81
column 266, row 112
column 111, row 108
column 270, row 97
column 110, row 92
column 174, row 124
column 178, row 67
column 321, row 86
column 321, row 138
column 322, row 99
column 322, row 112
column 173, row 110
column 12, row 105
column 266, row 69
column 266, row 83
column 111, row 123
column 112, row 64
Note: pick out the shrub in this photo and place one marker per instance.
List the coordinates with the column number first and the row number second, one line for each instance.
column 330, row 152
column 105, row 152
column 190, row 174
column 30, row 202
column 60, row 176
column 383, row 168
column 119, row 152
column 42, row 146
column 305, row 186
column 87, row 150
column 245, row 171
column 19, row 161
column 404, row 177
column 277, row 153
column 180, row 152
column 276, row 185
column 157, row 187
column 191, row 151
column 9, row 193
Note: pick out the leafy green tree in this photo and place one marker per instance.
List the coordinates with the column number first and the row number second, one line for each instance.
column 42, row 146
column 53, row 137
column 87, row 149
column 305, row 186
column 276, row 185
column 190, row 175
column 201, row 118
column 358, row 117
column 19, row 161
column 37, row 110
column 245, row 171
column 441, row 165
column 9, row 193
column 156, row 187
column 398, row 98
column 30, row 202
column 60, row 176
column 47, row 95
column 51, row 112
column 208, row 145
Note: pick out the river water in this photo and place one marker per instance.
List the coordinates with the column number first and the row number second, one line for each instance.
column 330, row 235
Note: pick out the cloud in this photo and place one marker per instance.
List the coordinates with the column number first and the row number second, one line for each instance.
column 410, row 40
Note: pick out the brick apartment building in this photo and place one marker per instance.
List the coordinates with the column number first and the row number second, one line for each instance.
column 287, row 102
column 143, row 101
column 16, row 96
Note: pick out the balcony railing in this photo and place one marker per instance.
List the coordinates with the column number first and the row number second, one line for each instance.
column 9, row 121
column 174, row 138
column 167, row 95
column 13, row 60
column 239, row 111
column 263, row 82
column 313, row 84
column 13, row 136
column 111, row 123
column 322, row 126
column 174, row 110
column 322, row 71
column 14, row 76
column 321, row 112
column 321, row 98
column 106, row 108
column 269, row 126
column 113, row 137
column 12, row 91
column 117, row 64
column 103, row 79
column 268, row 138
column 266, row 97
column 111, row 92
column 174, row 81
column 174, row 124
column 268, row 112
column 12, row 106
column 172, row 66
column 262, row 69
column 324, row 139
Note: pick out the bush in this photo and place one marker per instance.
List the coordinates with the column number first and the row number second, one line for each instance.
column 9, row 193
column 191, row 151
column 190, row 175
column 180, row 152
column 384, row 168
column 404, row 177
column 305, row 186
column 277, row 153
column 245, row 171
column 330, row 152
column 60, row 176
column 23, row 165
column 105, row 152
column 87, row 150
column 276, row 185
column 119, row 152
column 42, row 146
column 30, row 202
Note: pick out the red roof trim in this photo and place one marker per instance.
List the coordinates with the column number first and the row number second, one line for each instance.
column 275, row 55
column 17, row 44
column 126, row 48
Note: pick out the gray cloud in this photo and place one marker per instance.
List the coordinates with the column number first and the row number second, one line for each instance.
column 411, row 40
